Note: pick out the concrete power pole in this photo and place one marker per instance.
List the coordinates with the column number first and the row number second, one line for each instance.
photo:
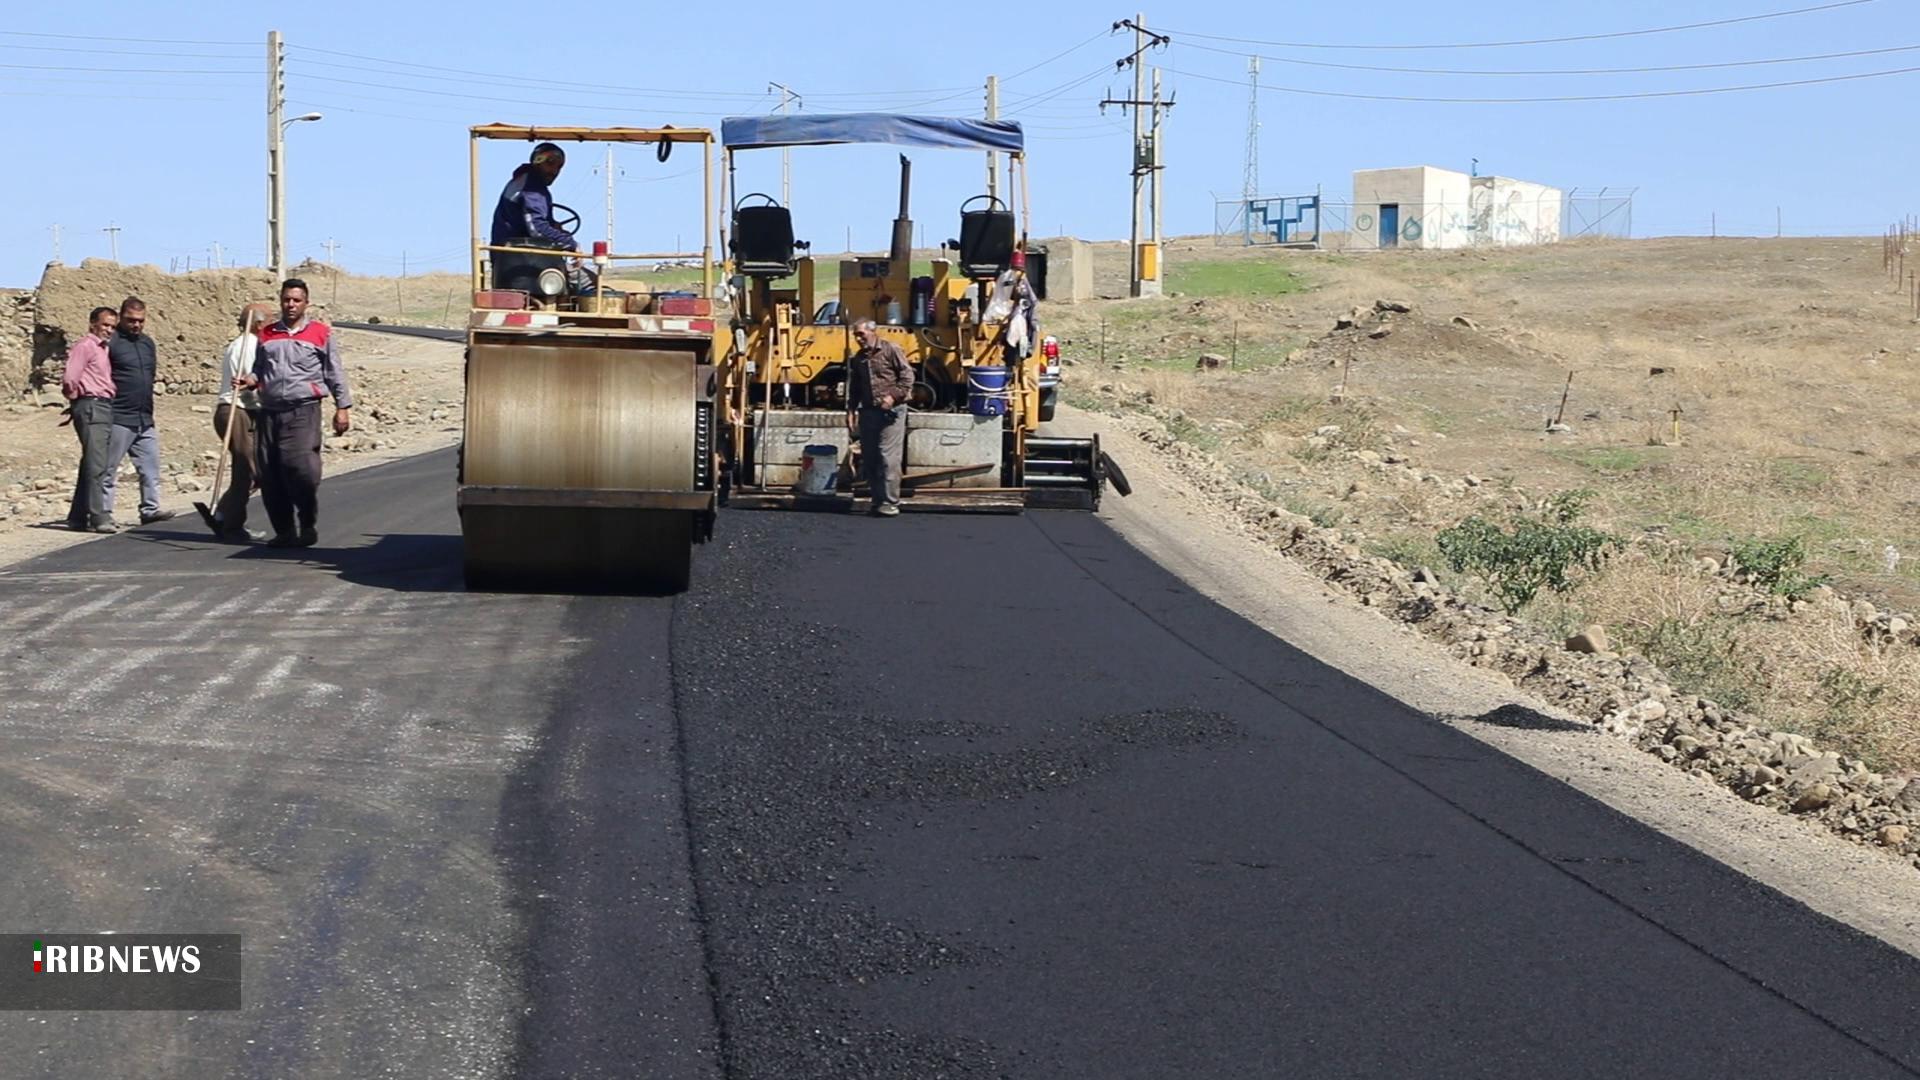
column 1157, row 164
column 56, row 243
column 333, row 272
column 609, row 169
column 276, row 152
column 1145, row 159
column 1135, row 278
column 113, row 238
column 993, row 113
column 786, row 155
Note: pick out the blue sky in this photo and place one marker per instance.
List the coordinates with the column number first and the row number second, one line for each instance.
column 140, row 120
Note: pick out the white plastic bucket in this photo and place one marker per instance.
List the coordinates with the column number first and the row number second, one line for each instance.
column 819, row 467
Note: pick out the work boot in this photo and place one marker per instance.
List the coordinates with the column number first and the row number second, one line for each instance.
column 106, row 527
column 284, row 540
column 157, row 515
column 309, row 536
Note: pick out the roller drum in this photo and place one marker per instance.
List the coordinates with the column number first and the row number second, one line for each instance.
column 594, row 415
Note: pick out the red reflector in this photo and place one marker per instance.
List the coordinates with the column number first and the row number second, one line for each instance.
column 500, row 299
column 704, row 326
column 682, row 305
column 519, row 318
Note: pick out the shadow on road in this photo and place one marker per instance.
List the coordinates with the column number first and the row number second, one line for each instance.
column 403, row 562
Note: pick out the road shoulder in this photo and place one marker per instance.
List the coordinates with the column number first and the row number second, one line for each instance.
column 1207, row 548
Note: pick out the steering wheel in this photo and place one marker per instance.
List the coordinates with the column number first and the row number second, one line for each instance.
column 565, row 218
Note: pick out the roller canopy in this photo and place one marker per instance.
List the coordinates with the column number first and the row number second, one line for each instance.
column 818, row 129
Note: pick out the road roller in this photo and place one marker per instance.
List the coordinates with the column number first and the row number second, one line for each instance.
column 588, row 459
column 968, row 325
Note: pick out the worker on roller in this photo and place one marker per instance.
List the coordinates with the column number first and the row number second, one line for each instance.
column 879, row 381
column 525, row 210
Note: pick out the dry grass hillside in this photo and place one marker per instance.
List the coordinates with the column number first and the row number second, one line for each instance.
column 1791, row 368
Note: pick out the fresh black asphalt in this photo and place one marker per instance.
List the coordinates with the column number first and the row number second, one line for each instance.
column 937, row 796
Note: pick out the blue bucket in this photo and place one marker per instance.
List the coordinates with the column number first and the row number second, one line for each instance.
column 987, row 390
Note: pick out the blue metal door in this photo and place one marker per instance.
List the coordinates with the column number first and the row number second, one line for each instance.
column 1389, row 225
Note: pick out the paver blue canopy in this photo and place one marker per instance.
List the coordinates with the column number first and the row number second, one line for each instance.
column 819, row 129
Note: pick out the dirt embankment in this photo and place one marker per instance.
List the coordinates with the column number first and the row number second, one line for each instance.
column 191, row 317
column 407, row 392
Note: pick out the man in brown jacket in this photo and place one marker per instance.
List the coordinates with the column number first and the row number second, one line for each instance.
column 878, row 382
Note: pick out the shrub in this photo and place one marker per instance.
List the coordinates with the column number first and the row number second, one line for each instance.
column 1548, row 549
column 1704, row 658
column 1775, row 565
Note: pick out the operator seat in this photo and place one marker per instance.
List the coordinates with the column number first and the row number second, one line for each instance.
column 763, row 245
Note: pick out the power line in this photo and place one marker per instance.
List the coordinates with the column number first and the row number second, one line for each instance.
column 122, row 52
column 1566, row 98
column 152, row 41
column 536, row 83
column 130, row 95
column 1562, row 71
column 1020, row 105
column 493, row 78
column 628, row 109
column 134, row 71
column 1537, row 41
column 1059, row 55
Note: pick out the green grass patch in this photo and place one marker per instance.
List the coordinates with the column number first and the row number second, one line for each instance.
column 1411, row 550
column 1285, row 410
column 1614, row 460
column 1705, row 658
column 1187, row 430
column 1799, row 476
column 1238, row 277
column 1321, row 514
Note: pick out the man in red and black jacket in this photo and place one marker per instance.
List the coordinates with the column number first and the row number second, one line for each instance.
column 296, row 365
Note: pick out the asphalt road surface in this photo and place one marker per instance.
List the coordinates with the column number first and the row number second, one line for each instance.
column 926, row 797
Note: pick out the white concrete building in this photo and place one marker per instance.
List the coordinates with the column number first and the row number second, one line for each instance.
column 1425, row 207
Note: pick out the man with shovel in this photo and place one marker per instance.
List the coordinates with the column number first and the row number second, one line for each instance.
column 233, row 421
column 296, row 365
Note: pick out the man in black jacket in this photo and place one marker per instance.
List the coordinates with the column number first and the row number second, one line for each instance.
column 134, row 360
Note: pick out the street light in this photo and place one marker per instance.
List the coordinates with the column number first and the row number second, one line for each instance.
column 276, row 191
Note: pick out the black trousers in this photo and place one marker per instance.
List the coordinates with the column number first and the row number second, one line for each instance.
column 286, row 450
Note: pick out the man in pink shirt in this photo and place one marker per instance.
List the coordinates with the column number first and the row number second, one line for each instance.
column 88, row 384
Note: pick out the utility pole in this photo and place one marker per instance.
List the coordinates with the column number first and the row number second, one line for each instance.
column 1140, row 282
column 609, row 171
column 215, row 248
column 333, row 273
column 786, row 153
column 1158, row 165
column 1136, row 273
column 276, row 154
column 113, row 238
column 56, row 243
column 993, row 113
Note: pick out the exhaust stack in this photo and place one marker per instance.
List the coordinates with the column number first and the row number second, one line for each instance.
column 902, row 249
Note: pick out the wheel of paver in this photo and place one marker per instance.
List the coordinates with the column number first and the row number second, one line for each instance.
column 1114, row 476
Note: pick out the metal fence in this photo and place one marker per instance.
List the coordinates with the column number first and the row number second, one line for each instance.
column 1339, row 225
